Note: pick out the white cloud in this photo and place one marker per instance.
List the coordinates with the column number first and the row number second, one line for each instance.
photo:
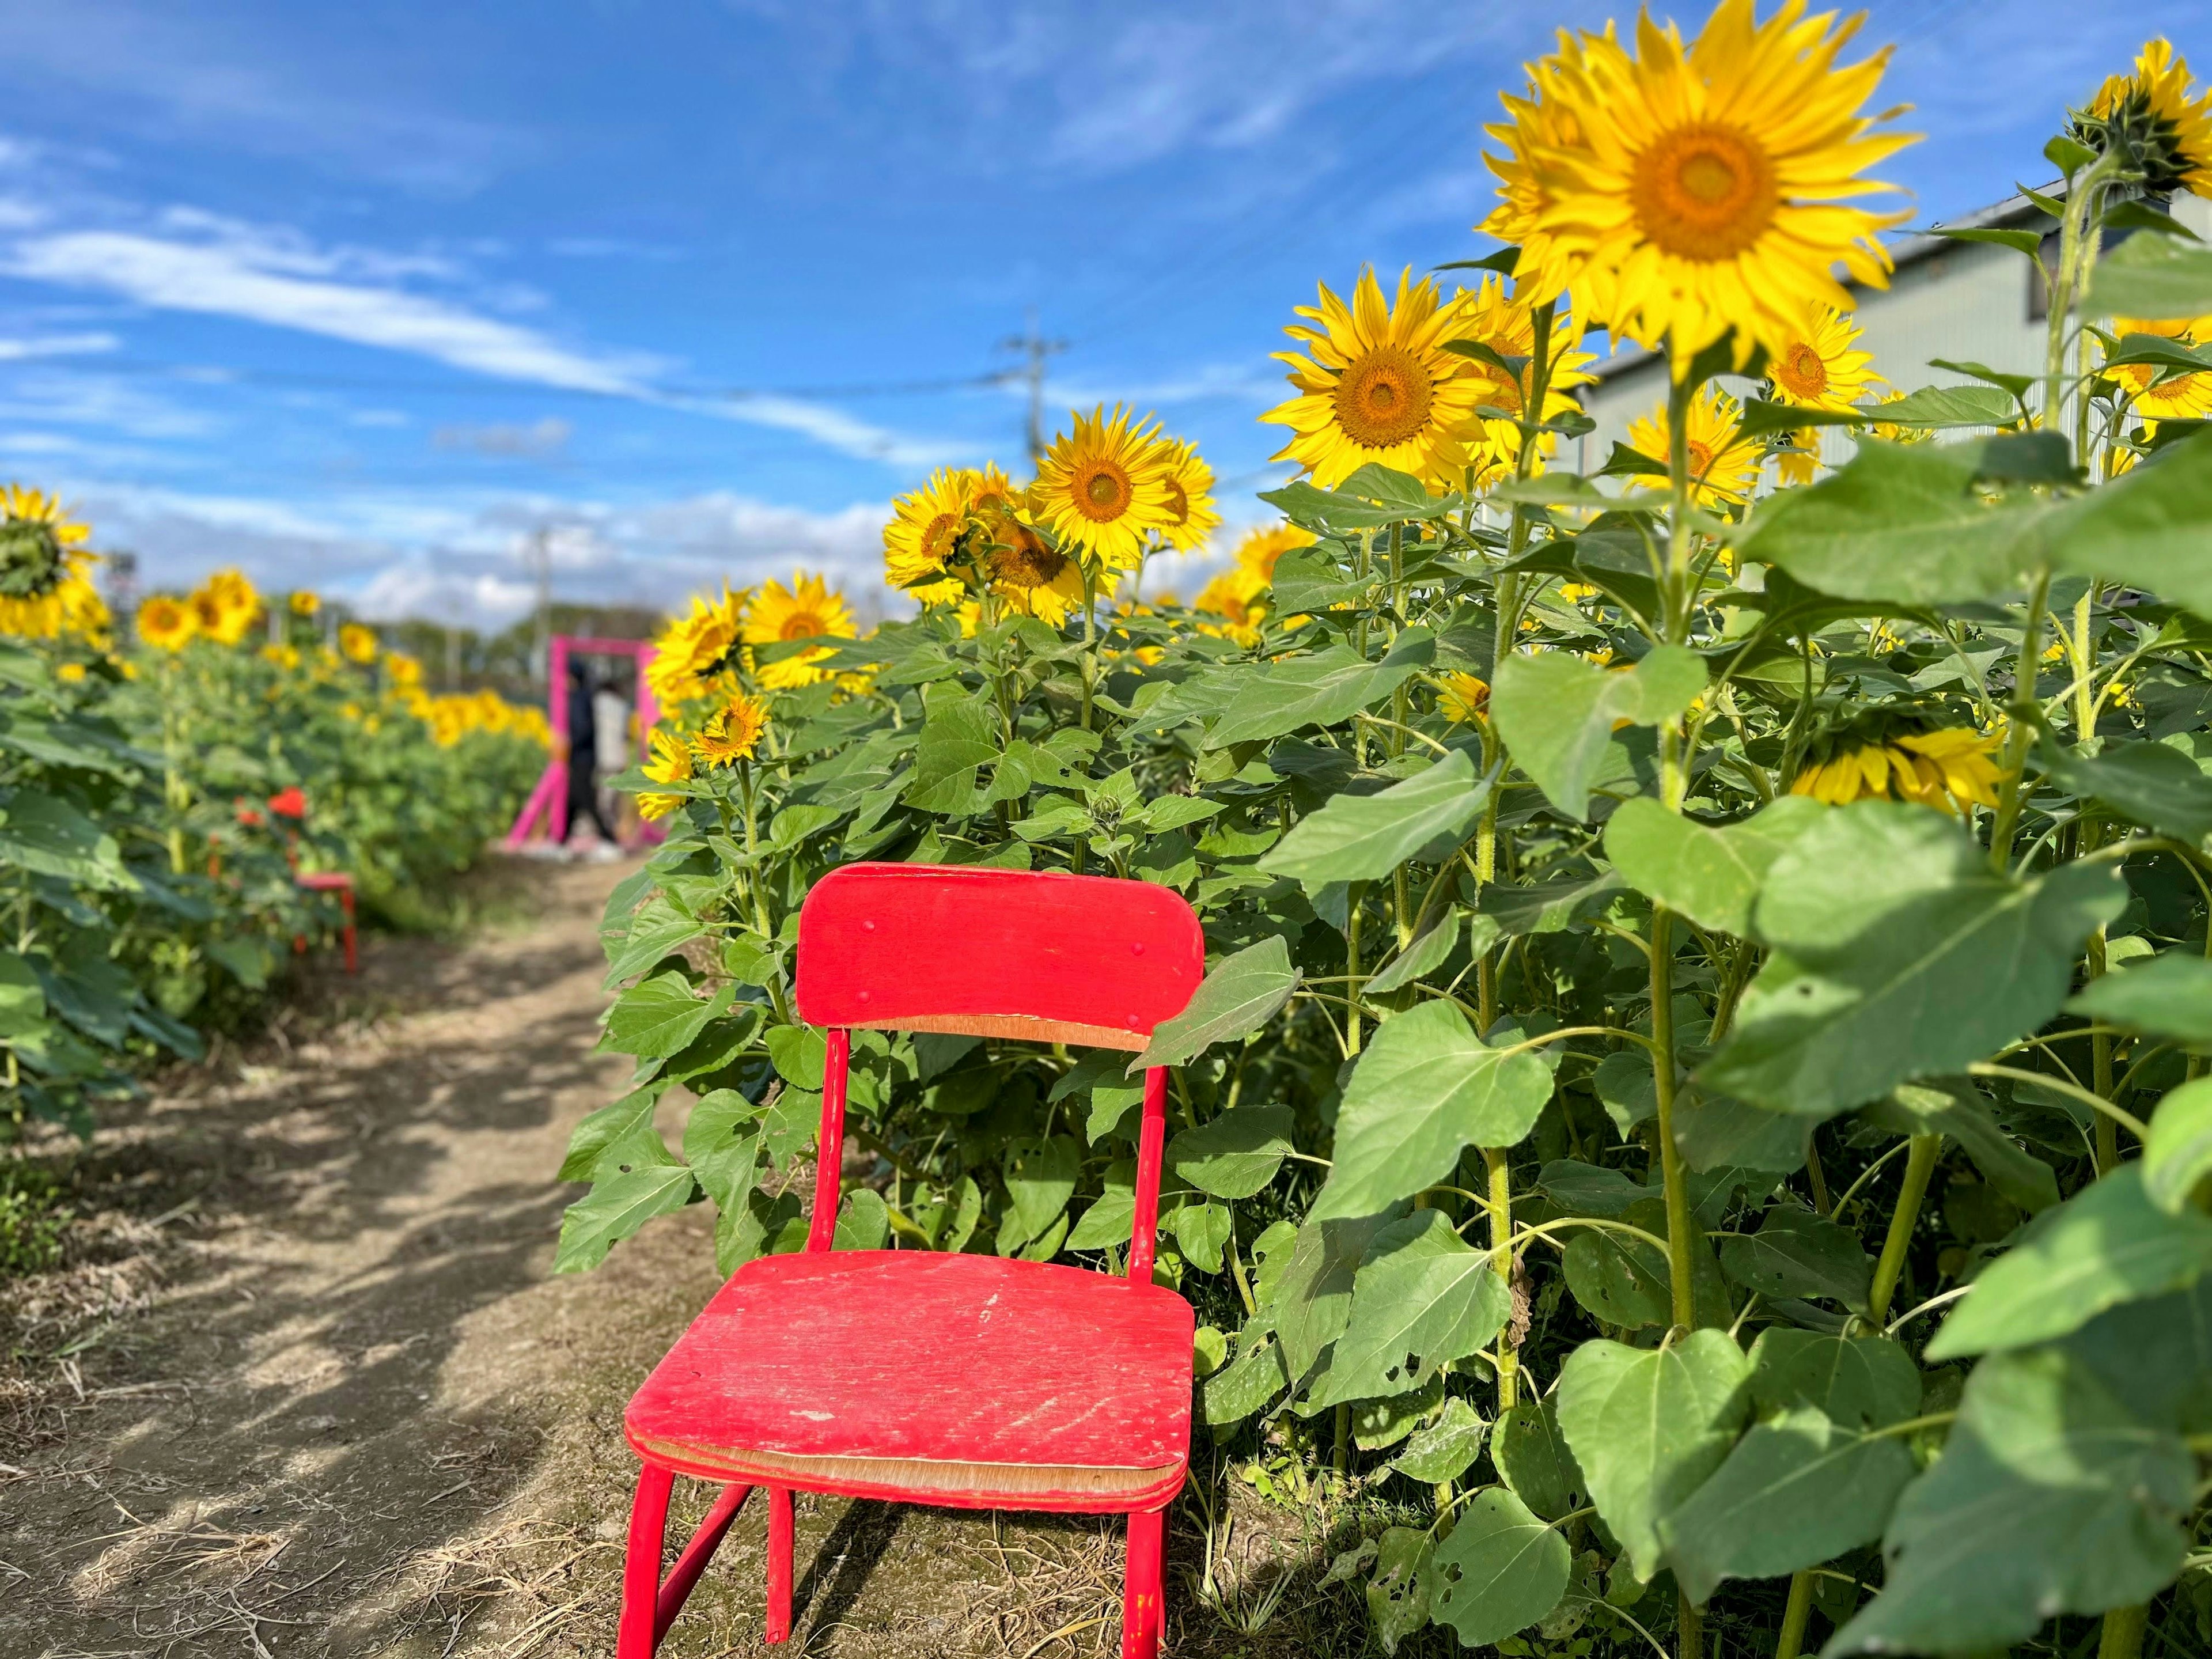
column 56, row 345
column 546, row 437
column 837, row 430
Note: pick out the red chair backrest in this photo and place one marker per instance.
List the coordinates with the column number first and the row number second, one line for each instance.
column 1088, row 960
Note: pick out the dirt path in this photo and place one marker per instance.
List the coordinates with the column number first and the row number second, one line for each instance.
column 306, row 1388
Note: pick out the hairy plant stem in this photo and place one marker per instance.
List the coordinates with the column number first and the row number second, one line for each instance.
column 2077, row 256
column 2019, row 726
column 1501, row 1235
column 1795, row 1615
column 1919, row 1166
column 1353, row 900
column 2123, row 1633
column 1680, row 1223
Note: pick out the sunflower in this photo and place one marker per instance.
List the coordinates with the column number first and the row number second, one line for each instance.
column 165, row 624
column 1237, row 597
column 403, row 669
column 1489, row 317
column 2176, row 396
column 357, row 643
column 1722, row 462
column 1191, row 517
column 1379, row 385
column 694, row 649
column 2157, row 120
column 1820, row 367
column 924, row 532
column 671, row 764
column 227, row 606
column 304, row 602
column 732, row 733
column 1102, row 490
column 1031, row 575
column 1903, row 754
column 1542, row 122
column 1462, row 698
column 1707, row 185
column 805, row 610
column 46, row 590
column 280, row 656
column 1260, row 549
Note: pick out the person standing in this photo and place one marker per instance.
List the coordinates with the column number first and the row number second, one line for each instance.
column 583, row 762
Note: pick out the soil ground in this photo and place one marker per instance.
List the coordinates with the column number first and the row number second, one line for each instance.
column 306, row 1386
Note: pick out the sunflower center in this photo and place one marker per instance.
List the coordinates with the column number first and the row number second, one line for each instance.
column 800, row 625
column 1705, row 191
column 1105, row 495
column 937, row 539
column 1383, row 398
column 1031, row 562
column 1801, row 371
column 1700, row 457
column 1504, row 392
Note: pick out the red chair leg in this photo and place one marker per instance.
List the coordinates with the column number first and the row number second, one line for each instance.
column 636, row 1637
column 345, row 902
column 696, row 1553
column 778, row 1563
column 1144, row 1610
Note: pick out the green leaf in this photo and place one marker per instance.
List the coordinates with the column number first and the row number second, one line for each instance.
column 1957, row 1110
column 1235, row 1155
column 2178, row 1153
column 863, row 1221
column 1761, row 418
column 1897, row 953
column 1201, row 1233
column 621, row 1201
column 1714, row 1132
column 1428, row 951
column 1618, row 1279
column 1421, row 1298
column 2029, row 242
column 2147, row 783
column 2052, row 1497
column 1710, row 875
column 1648, row 1426
column 2107, row 1244
column 2148, row 527
column 1425, row 1089
column 656, row 930
column 1796, row 1254
column 1939, row 406
column 606, row 1127
column 1040, row 1180
column 1588, row 1188
column 23, row 1000
column 2169, row 996
column 1902, row 524
column 2153, row 276
column 1242, row 994
column 1533, row 1458
column 248, row 961
column 959, row 733
column 721, row 1143
column 1794, row 1492
column 49, row 837
column 1252, row 1379
column 1557, row 712
column 1398, row 1595
column 1360, row 838
column 1314, row 1300
column 1499, row 1571
column 1860, row 1381
column 1444, row 1449
column 659, row 1017
column 1378, row 1424
column 1321, row 690
column 1548, row 907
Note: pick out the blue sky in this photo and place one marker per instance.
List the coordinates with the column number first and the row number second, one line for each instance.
column 363, row 295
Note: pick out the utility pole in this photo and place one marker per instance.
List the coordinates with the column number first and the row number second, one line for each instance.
column 1034, row 349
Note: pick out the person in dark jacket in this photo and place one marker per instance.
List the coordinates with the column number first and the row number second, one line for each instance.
column 584, row 756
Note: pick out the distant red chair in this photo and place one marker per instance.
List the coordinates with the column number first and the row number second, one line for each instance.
column 963, row 1381
column 292, row 804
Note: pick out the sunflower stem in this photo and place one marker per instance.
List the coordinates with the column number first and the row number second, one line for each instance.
column 1679, row 1222
column 2019, row 727
column 1501, row 1262
column 1919, row 1166
column 2077, row 257
column 1795, row 1616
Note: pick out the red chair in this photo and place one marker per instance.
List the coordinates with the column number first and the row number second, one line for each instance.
column 338, row 882
column 961, row 1381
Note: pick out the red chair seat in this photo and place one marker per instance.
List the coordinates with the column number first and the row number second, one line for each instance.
column 960, row 1380
column 324, row 881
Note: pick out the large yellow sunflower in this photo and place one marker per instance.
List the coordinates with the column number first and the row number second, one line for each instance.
column 357, row 643
column 1103, row 489
column 1722, row 462
column 1542, row 121
column 671, row 764
column 1379, row 385
column 1949, row 768
column 1490, row 316
column 304, row 602
column 2162, row 123
column 1260, row 549
column 1707, row 187
column 926, row 527
column 1820, row 367
column 1031, row 575
column 46, row 590
column 2177, row 397
column 1238, row 597
column 1191, row 516
column 165, row 624
column 731, row 733
column 694, row 648
column 806, row 609
column 227, row 606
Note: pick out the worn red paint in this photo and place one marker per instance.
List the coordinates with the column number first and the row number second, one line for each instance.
column 964, row 1381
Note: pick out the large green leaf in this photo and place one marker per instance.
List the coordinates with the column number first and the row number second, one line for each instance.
column 1426, row 1089
column 1618, row 1279
column 2169, row 996
column 1860, row 1381
column 1421, row 1299
column 1903, row 525
column 959, row 733
column 1954, row 1107
column 1794, row 1492
column 609, row 1126
column 1443, row 1450
column 1236, row 1154
column 23, row 1002
column 1796, row 1254
column 637, row 1179
column 2052, row 1497
column 1898, row 954
column 1649, row 1425
column 1040, row 1180
column 656, row 930
column 1534, row 1458
column 1314, row 1298
column 2178, row 1154
column 49, row 837
column 721, row 1143
column 2147, row 783
column 1242, row 993
column 659, row 1017
column 2107, row 1244
column 1360, row 837
column 1716, row 1131
column 2146, row 528
column 1708, row 874
column 2150, row 274
column 1499, row 1571
column 1557, row 712
column 1321, row 689
column 1398, row 1595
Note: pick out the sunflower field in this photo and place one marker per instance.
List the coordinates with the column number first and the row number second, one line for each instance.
column 1694, row 1133
column 157, row 806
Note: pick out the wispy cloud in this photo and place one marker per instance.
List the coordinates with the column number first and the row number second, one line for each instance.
column 56, row 345
column 506, row 441
column 833, row 427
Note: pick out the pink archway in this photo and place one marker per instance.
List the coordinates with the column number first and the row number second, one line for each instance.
column 549, row 799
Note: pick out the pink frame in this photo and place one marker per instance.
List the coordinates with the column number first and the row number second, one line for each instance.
column 549, row 799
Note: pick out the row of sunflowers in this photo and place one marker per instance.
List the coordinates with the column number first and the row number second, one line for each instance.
column 1694, row 1133
column 160, row 801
